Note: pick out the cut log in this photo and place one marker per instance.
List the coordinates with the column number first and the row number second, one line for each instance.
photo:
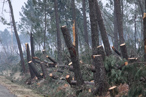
column 53, row 76
column 43, row 67
column 100, row 76
column 124, row 51
column 28, row 59
column 113, row 91
column 100, row 51
column 131, row 60
column 74, row 55
column 117, row 52
column 51, row 59
column 126, row 63
column 33, row 67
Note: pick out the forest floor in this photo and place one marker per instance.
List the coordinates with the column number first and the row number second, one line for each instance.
column 15, row 89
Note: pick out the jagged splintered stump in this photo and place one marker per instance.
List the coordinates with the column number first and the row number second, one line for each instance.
column 100, row 51
column 144, row 34
column 33, row 67
column 28, row 59
column 73, row 54
column 124, row 51
column 100, row 76
column 117, row 52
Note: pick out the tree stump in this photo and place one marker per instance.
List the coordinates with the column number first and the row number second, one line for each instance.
column 100, row 51
column 28, row 59
column 100, row 75
column 124, row 51
column 113, row 91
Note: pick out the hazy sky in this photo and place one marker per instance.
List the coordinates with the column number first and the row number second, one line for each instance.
column 17, row 4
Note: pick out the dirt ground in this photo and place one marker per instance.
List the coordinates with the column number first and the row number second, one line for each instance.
column 9, row 89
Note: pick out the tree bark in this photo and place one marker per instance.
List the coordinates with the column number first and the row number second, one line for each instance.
column 144, row 34
column 29, row 59
column 45, row 27
column 94, row 26
column 124, row 51
column 103, row 30
column 100, row 51
column 34, row 69
column 58, row 31
column 73, row 54
column 32, row 47
column 85, row 22
column 102, row 84
column 74, row 19
column 43, row 67
column 116, row 42
column 17, row 37
column 119, row 20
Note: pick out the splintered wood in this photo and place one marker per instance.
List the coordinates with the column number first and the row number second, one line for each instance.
column 74, row 34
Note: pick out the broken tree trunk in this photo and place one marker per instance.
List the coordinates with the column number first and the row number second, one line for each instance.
column 100, row 76
column 51, row 60
column 28, row 59
column 100, row 51
column 32, row 47
column 144, row 34
column 117, row 52
column 34, row 70
column 73, row 54
column 124, row 51
column 43, row 67
column 102, row 30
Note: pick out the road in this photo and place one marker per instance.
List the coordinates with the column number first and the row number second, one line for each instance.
column 9, row 89
column 4, row 92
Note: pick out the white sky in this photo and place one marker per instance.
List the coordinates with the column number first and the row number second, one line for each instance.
column 17, row 4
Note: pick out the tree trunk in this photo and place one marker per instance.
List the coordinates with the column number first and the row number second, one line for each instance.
column 119, row 20
column 94, row 30
column 17, row 37
column 32, row 47
column 100, row 51
column 144, row 34
column 45, row 27
column 103, row 30
column 34, row 68
column 74, row 19
column 102, row 84
column 116, row 42
column 85, row 22
column 73, row 55
column 124, row 51
column 29, row 59
column 94, row 26
column 43, row 67
column 58, row 31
